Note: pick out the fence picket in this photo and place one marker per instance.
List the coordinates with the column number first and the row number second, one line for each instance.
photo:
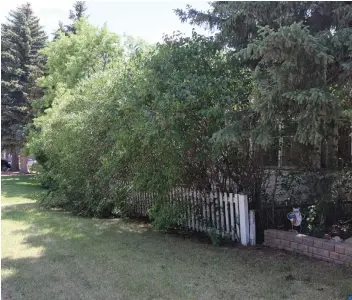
column 137, row 203
column 217, row 209
column 148, row 204
column 201, row 210
column 215, row 220
column 195, row 208
column 177, row 202
column 237, row 216
column 174, row 199
column 210, row 215
column 133, row 200
column 184, row 205
column 221, row 207
column 170, row 198
column 188, row 200
column 226, row 203
column 210, row 205
column 232, row 216
column 207, row 205
column 140, row 203
column 211, row 209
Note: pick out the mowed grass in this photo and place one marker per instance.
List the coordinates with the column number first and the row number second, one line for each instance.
column 54, row 255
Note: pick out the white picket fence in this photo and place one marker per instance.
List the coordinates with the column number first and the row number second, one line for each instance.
column 224, row 213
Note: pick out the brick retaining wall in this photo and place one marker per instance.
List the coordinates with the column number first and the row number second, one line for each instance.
column 314, row 247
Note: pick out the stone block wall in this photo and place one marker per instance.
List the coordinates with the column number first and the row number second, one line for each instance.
column 313, row 247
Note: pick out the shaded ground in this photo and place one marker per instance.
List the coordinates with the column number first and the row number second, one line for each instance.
column 10, row 173
column 53, row 255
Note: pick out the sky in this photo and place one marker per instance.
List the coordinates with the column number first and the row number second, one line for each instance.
column 144, row 19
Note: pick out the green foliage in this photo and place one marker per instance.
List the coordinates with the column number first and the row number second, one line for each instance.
column 74, row 57
column 214, row 236
column 189, row 110
column 78, row 12
column 327, row 193
column 134, row 113
column 21, row 65
column 165, row 215
column 342, row 187
column 292, row 83
column 300, row 54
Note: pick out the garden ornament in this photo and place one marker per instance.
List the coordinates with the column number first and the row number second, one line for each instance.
column 336, row 239
column 295, row 217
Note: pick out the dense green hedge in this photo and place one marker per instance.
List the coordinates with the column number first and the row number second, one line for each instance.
column 186, row 111
column 147, row 116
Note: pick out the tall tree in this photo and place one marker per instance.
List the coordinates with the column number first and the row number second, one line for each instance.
column 74, row 57
column 301, row 55
column 21, row 65
column 78, row 11
column 78, row 65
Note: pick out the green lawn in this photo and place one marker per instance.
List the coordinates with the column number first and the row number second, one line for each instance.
column 53, row 255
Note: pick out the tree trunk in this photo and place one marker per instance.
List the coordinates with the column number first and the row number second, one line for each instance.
column 15, row 162
column 24, row 164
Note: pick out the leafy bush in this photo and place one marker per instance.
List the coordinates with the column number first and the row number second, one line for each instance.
column 342, row 187
column 51, row 200
column 164, row 215
column 327, row 193
column 146, row 117
column 177, row 113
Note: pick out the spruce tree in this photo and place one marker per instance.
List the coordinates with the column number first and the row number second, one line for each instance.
column 78, row 11
column 21, row 65
column 300, row 54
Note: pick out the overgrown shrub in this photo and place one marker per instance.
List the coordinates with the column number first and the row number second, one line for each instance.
column 165, row 215
column 185, row 111
column 342, row 187
column 322, row 196
column 146, row 118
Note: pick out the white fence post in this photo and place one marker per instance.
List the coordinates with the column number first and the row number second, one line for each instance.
column 252, row 232
column 228, row 212
column 244, row 222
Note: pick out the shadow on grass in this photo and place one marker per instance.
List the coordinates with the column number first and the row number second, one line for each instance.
column 67, row 257
column 75, row 255
column 19, row 186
